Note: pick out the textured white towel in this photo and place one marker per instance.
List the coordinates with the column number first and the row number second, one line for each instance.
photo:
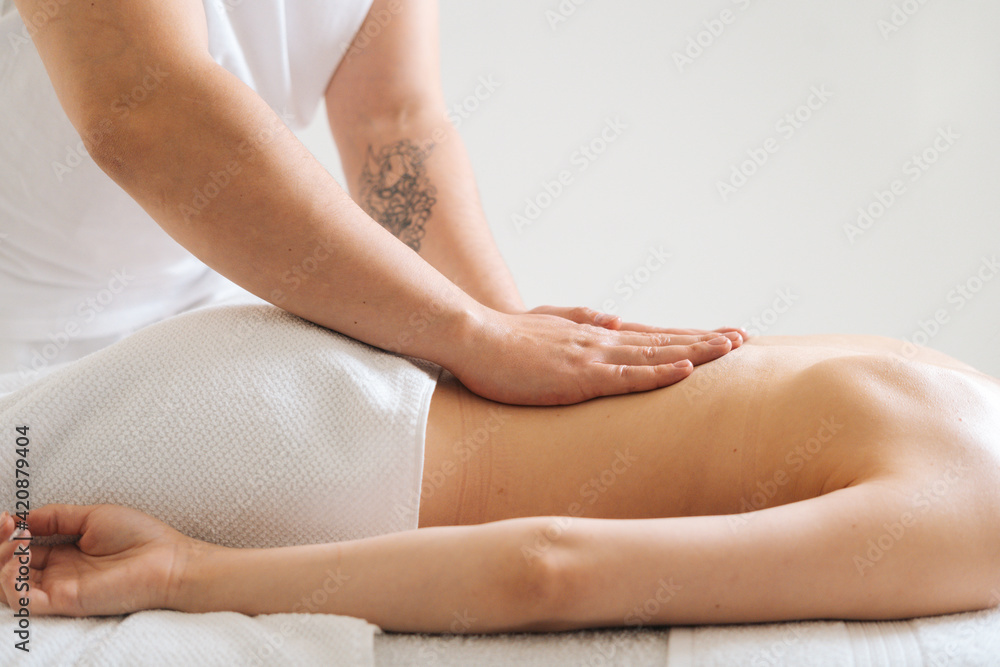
column 957, row 640
column 167, row 638
column 239, row 425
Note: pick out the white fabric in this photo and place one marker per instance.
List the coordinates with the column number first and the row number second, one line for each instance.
column 958, row 640
column 585, row 648
column 224, row 639
column 80, row 261
column 239, row 425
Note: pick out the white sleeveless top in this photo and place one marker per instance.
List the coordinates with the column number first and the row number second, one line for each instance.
column 81, row 264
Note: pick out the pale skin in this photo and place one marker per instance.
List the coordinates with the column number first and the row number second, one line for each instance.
column 281, row 211
column 798, row 478
column 674, row 467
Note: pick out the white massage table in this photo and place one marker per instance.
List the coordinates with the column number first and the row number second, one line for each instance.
column 227, row 639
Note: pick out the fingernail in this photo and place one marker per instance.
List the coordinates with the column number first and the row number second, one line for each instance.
column 721, row 340
column 16, row 534
column 683, row 363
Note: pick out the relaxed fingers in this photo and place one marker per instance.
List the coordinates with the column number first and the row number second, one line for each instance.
column 645, row 328
column 742, row 332
column 6, row 525
column 705, row 336
column 8, row 528
column 704, row 352
column 16, row 573
column 6, row 551
column 665, row 340
column 735, row 337
column 59, row 519
column 18, row 584
column 625, row 379
column 649, row 355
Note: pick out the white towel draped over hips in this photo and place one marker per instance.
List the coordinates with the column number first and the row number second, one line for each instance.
column 241, row 425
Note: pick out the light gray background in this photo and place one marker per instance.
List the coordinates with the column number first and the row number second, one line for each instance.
column 657, row 183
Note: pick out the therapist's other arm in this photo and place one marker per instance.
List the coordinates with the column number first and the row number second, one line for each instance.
column 407, row 166
column 218, row 170
column 404, row 161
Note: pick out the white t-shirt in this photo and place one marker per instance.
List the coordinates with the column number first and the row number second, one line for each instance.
column 81, row 263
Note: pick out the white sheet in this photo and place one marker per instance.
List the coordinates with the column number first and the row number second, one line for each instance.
column 224, row 639
column 958, row 640
column 171, row 638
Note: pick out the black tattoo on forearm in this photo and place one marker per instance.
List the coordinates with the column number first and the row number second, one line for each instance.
column 395, row 191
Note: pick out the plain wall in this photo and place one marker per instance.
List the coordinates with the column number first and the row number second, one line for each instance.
column 690, row 91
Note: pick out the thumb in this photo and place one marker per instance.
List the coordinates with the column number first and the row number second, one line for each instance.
column 599, row 319
column 60, row 519
column 581, row 315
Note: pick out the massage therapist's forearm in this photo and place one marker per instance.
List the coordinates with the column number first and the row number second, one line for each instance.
column 281, row 228
column 242, row 194
column 218, row 170
column 446, row 225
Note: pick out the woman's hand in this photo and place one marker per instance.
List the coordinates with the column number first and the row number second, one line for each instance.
column 124, row 561
column 584, row 315
column 538, row 358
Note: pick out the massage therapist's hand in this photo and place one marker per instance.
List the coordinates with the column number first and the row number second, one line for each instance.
column 544, row 359
column 124, row 561
column 584, row 315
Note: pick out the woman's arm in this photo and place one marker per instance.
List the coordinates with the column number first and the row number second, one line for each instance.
column 218, row 170
column 404, row 161
column 407, row 166
column 794, row 561
column 418, row 580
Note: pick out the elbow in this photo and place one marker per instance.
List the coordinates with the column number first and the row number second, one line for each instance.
column 540, row 589
column 120, row 134
column 112, row 147
column 403, row 115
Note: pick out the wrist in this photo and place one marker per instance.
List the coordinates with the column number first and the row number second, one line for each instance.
column 451, row 333
column 473, row 342
column 510, row 307
column 198, row 569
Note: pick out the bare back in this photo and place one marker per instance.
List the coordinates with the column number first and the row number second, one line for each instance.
column 779, row 420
